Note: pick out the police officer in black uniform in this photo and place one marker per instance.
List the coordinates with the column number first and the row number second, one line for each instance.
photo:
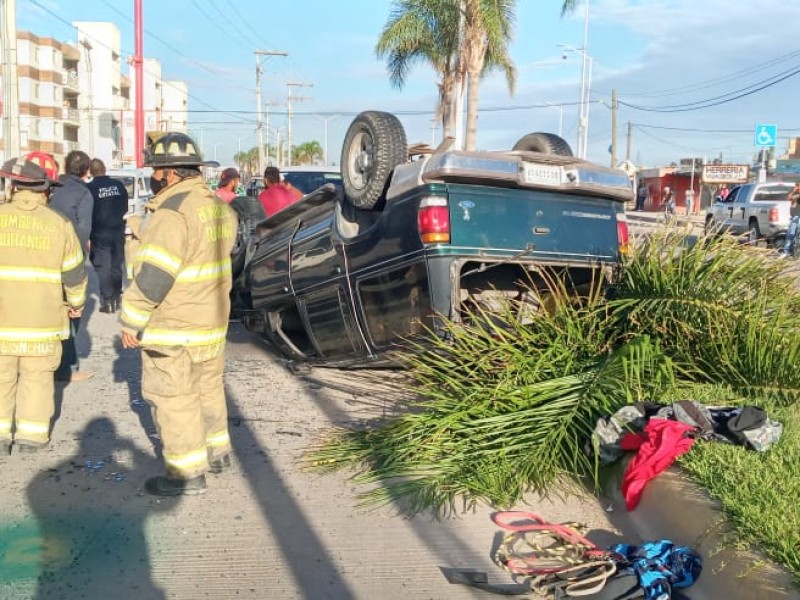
column 108, row 234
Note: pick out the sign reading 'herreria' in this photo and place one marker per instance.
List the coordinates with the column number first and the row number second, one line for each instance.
column 726, row 173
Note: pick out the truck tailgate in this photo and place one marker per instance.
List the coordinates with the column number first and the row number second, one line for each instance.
column 550, row 225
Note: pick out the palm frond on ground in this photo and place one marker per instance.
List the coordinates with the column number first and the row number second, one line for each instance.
column 506, row 407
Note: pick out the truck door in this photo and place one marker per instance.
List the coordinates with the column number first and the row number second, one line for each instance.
column 318, row 275
column 724, row 213
column 739, row 216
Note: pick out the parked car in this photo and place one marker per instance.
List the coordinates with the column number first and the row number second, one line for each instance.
column 343, row 275
column 137, row 183
column 305, row 178
column 758, row 210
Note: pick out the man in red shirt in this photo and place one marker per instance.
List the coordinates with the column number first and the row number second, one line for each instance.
column 228, row 183
column 275, row 196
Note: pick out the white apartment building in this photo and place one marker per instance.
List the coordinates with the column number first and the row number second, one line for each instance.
column 74, row 96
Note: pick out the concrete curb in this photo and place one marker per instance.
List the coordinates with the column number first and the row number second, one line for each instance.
column 674, row 508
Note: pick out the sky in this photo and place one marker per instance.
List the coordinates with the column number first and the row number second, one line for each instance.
column 693, row 77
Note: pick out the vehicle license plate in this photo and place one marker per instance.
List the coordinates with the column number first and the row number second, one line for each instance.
column 541, row 174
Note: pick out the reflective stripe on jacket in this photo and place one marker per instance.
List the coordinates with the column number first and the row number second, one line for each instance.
column 180, row 295
column 41, row 266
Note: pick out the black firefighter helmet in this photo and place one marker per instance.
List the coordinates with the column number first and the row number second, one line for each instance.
column 175, row 149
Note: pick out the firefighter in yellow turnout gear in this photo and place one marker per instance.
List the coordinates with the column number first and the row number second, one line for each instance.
column 42, row 283
column 177, row 310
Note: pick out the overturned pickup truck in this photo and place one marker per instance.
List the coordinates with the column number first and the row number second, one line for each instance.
column 344, row 274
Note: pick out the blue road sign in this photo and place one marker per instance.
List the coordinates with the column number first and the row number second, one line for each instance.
column 766, row 136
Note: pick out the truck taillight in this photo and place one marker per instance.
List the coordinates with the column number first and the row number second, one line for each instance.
column 773, row 215
column 433, row 220
column 622, row 234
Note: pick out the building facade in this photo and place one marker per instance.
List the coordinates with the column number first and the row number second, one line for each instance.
column 75, row 96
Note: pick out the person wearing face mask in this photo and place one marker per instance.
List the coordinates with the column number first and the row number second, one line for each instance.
column 42, row 283
column 176, row 310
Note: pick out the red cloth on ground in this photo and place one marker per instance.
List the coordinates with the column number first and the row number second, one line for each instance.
column 659, row 445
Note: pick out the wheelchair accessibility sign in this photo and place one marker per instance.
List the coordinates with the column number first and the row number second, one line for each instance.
column 766, row 136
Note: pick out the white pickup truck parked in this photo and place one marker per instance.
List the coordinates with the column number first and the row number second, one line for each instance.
column 760, row 210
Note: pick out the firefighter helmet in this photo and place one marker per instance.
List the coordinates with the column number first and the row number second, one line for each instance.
column 175, row 149
column 46, row 162
column 27, row 175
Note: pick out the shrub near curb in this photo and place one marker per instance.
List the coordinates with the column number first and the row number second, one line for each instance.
column 504, row 410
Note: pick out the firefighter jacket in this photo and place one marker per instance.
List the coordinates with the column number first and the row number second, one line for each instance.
column 42, row 273
column 180, row 295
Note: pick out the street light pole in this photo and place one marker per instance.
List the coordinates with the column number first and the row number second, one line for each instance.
column 585, row 94
column 585, row 84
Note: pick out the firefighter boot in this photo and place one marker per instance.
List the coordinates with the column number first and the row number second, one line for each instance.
column 167, row 486
column 218, row 465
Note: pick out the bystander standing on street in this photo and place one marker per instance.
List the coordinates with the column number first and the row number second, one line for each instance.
column 42, row 283
column 108, row 234
column 176, row 309
column 228, row 184
column 74, row 200
column 641, row 195
column 794, row 224
column 276, row 196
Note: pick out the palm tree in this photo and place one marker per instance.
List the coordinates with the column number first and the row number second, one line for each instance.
column 461, row 39
column 307, row 153
column 487, row 31
column 424, row 30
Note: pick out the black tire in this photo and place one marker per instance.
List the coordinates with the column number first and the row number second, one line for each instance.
column 546, row 143
column 374, row 145
column 753, row 232
column 250, row 213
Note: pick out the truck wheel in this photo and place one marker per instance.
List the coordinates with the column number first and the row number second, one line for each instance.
column 374, row 145
column 546, row 143
column 753, row 232
column 250, row 213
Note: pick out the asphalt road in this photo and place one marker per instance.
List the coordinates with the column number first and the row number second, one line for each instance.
column 75, row 523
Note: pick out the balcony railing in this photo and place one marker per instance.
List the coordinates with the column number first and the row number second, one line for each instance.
column 71, row 79
column 70, row 114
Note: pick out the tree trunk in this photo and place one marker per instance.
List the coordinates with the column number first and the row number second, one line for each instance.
column 446, row 105
column 473, row 79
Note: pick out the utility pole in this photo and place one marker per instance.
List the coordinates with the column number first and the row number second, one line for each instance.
column 267, row 106
column 8, row 41
column 289, row 100
column 260, row 128
column 613, row 128
column 630, row 141
column 138, row 67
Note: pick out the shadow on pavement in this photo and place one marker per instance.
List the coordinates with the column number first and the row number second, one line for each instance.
column 128, row 368
column 314, row 571
column 88, row 538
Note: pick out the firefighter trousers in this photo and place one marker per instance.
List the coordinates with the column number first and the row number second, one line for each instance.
column 188, row 400
column 27, row 396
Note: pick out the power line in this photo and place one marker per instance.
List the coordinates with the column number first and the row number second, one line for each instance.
column 221, row 23
column 722, row 99
column 759, row 67
column 257, row 34
column 104, row 45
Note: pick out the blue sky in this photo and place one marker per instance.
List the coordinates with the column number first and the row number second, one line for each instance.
column 661, row 58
